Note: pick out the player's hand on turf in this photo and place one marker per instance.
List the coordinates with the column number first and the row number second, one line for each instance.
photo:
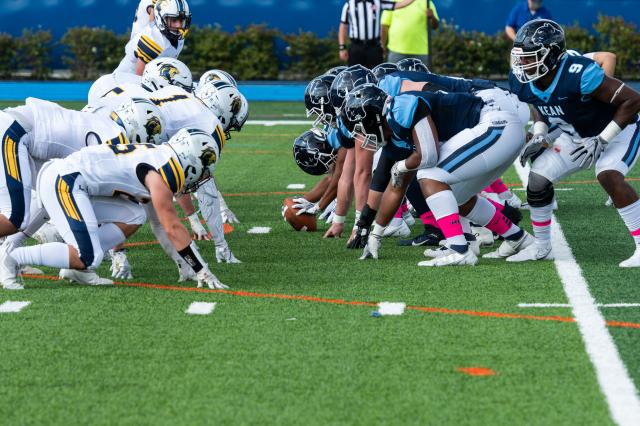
column 359, row 238
column 396, row 176
column 198, row 231
column 224, row 254
column 537, row 143
column 120, row 267
column 185, row 272
column 335, row 231
column 328, row 211
column 372, row 247
column 205, row 276
column 305, row 206
column 587, row 151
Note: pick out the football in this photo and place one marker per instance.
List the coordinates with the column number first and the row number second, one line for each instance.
column 303, row 222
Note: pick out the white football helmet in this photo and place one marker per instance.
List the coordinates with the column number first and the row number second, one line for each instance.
column 141, row 119
column 162, row 72
column 177, row 9
column 241, row 117
column 224, row 100
column 218, row 75
column 198, row 153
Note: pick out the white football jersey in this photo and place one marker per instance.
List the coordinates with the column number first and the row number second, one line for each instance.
column 117, row 96
column 59, row 132
column 141, row 19
column 147, row 45
column 116, row 170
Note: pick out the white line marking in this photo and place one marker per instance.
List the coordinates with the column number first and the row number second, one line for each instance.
column 200, row 308
column 259, row 230
column 270, row 123
column 555, row 189
column 296, row 186
column 9, row 306
column 391, row 308
column 615, row 383
column 566, row 305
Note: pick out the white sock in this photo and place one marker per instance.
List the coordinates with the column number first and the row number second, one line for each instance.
column 482, row 212
column 466, row 225
column 16, row 240
column 55, row 255
column 110, row 236
column 631, row 217
column 541, row 222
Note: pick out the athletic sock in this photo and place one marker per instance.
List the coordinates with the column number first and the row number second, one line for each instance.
column 541, row 222
column 428, row 219
column 486, row 214
column 55, row 255
column 497, row 205
column 398, row 214
column 16, row 240
column 445, row 210
column 501, row 189
column 631, row 217
column 110, row 236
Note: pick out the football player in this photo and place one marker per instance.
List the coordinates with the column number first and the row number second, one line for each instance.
column 163, row 38
column 143, row 172
column 40, row 131
column 598, row 117
column 481, row 142
column 143, row 17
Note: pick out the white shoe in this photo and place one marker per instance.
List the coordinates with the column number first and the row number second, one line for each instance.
column 30, row 270
column 451, row 259
column 633, row 261
column 408, row 218
column 483, row 235
column 83, row 277
column 397, row 228
column 513, row 201
column 9, row 272
column 609, row 202
column 535, row 251
column 48, row 233
column 509, row 248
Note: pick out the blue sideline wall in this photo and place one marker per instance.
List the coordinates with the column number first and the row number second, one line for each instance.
column 320, row 16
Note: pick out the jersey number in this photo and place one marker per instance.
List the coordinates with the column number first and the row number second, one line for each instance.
column 127, row 149
column 575, row 68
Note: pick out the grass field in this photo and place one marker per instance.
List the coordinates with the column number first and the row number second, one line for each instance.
column 294, row 342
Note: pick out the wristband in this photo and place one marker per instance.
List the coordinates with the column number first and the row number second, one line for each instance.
column 540, row 127
column 338, row 219
column 402, row 166
column 358, row 213
column 378, row 230
column 342, row 47
column 191, row 257
column 611, row 131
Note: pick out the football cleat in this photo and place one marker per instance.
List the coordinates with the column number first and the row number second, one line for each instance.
column 483, row 235
column 83, row 277
column 30, row 270
column 514, row 201
column 443, row 250
column 430, row 237
column 408, row 218
column 509, row 248
column 633, row 261
column 397, row 228
column 452, row 258
column 9, row 272
column 48, row 233
column 535, row 251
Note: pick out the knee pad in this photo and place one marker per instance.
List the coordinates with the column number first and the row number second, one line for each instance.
column 540, row 191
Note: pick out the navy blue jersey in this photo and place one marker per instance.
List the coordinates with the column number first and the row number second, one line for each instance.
column 339, row 137
column 392, row 83
column 450, row 112
column 568, row 99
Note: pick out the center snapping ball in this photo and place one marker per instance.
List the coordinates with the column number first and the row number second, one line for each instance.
column 303, row 222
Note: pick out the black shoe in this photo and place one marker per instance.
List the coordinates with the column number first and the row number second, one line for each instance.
column 430, row 237
column 511, row 213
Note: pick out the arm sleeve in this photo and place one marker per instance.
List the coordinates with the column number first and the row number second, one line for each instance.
column 147, row 49
column 511, row 19
column 592, row 78
column 344, row 16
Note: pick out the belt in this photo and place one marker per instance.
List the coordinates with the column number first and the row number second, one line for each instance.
column 374, row 42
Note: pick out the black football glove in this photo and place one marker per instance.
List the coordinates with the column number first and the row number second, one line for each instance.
column 360, row 238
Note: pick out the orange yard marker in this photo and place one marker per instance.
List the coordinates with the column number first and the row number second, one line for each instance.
column 446, row 311
column 477, row 371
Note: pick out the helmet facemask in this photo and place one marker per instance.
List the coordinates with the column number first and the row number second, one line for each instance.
column 529, row 66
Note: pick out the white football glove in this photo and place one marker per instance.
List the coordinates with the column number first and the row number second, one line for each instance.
column 199, row 233
column 185, row 272
column 206, row 276
column 537, row 142
column 587, row 151
column 396, row 176
column 120, row 267
column 372, row 247
column 328, row 211
column 225, row 211
column 224, row 254
column 305, row 206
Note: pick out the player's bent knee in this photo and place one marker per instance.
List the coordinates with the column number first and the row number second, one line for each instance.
column 540, row 191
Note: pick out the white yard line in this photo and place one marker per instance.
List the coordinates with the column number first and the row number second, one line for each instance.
column 201, row 308
column 296, row 186
column 614, row 379
column 566, row 305
column 12, row 307
column 259, row 230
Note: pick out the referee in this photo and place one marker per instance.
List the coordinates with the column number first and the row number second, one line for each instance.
column 361, row 20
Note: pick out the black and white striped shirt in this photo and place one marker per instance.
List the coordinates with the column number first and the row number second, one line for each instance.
column 363, row 17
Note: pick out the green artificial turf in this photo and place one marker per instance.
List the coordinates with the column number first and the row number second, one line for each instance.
column 130, row 355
